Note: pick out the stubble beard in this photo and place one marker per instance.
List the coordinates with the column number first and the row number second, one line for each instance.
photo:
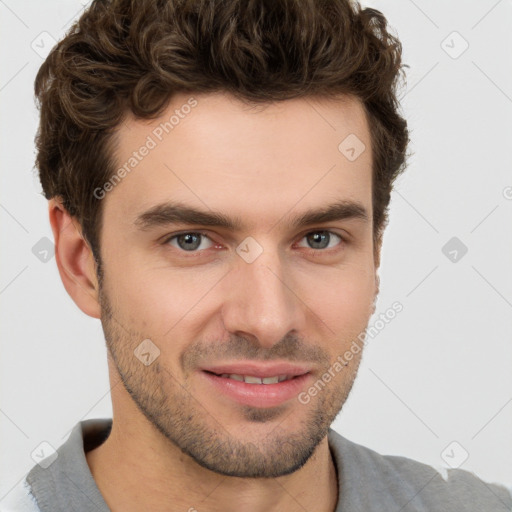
column 180, row 417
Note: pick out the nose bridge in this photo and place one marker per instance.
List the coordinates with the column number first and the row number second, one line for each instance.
column 261, row 301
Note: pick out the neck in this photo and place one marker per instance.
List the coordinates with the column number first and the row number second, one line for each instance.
column 137, row 468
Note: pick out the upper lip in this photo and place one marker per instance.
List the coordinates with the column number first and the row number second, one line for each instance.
column 259, row 369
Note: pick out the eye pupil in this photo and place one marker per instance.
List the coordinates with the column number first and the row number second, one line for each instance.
column 191, row 241
column 319, row 239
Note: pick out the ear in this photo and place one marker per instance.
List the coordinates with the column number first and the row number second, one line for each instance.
column 376, row 259
column 75, row 260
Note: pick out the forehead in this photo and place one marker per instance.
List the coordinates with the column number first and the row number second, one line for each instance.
column 213, row 151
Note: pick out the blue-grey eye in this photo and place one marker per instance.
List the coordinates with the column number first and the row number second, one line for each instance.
column 322, row 239
column 189, row 241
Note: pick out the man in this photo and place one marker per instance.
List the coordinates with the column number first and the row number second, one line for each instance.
column 218, row 176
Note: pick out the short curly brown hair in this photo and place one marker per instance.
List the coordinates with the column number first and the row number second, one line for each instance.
column 133, row 55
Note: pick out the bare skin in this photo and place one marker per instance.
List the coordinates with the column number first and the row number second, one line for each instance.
column 179, row 442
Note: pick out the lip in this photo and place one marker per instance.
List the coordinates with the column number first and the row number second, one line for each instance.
column 257, row 395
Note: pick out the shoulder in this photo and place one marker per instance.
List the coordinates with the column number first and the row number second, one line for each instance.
column 368, row 476
column 19, row 499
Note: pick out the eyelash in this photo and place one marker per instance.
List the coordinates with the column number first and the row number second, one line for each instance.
column 314, row 252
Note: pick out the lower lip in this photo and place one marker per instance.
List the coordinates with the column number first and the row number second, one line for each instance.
column 258, row 395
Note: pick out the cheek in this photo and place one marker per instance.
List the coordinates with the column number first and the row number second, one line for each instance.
column 344, row 300
column 156, row 300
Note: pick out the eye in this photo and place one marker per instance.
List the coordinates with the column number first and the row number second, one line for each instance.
column 322, row 239
column 194, row 242
column 190, row 241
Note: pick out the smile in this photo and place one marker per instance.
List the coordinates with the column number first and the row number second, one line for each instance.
column 250, row 379
column 268, row 389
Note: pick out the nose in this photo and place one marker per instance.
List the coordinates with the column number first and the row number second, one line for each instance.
column 262, row 301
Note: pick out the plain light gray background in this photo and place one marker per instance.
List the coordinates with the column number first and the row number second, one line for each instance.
column 435, row 384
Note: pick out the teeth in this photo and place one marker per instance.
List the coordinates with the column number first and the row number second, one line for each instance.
column 249, row 379
column 252, row 380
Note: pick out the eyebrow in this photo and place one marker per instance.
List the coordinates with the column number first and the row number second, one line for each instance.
column 178, row 213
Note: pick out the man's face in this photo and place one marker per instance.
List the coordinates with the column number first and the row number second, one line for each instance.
column 267, row 296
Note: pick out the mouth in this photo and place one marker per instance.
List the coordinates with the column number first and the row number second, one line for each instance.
column 252, row 379
column 257, row 385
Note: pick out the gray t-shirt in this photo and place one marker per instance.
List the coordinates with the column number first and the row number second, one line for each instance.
column 367, row 481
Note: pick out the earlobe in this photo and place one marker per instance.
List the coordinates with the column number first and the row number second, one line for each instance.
column 75, row 260
column 377, row 287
